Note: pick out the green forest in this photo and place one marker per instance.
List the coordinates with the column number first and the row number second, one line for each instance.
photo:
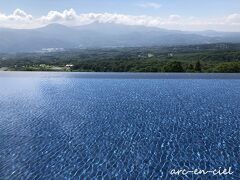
column 222, row 58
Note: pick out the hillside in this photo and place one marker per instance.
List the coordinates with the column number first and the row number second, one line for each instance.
column 97, row 35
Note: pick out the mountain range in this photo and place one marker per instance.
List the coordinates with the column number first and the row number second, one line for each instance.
column 99, row 35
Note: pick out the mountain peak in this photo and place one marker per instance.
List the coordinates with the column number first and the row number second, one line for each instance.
column 54, row 26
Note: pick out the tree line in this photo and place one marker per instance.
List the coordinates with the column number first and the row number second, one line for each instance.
column 207, row 58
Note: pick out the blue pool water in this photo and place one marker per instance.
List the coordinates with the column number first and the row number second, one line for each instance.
column 59, row 126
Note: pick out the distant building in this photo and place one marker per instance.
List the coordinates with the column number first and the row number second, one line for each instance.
column 150, row 55
column 49, row 50
column 170, row 55
column 69, row 65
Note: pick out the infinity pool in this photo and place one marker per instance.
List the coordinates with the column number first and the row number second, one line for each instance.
column 74, row 126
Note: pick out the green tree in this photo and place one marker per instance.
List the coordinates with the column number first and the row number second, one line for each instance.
column 190, row 68
column 174, row 66
column 198, row 66
column 230, row 67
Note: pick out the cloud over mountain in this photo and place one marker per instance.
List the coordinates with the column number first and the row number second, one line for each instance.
column 21, row 19
column 66, row 15
column 17, row 15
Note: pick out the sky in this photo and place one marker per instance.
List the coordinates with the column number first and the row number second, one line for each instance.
column 191, row 15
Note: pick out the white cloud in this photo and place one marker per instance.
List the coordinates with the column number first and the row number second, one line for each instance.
column 18, row 14
column 18, row 19
column 233, row 18
column 21, row 19
column 54, row 16
column 150, row 5
column 174, row 17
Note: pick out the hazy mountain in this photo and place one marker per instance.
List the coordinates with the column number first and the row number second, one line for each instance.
column 103, row 35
